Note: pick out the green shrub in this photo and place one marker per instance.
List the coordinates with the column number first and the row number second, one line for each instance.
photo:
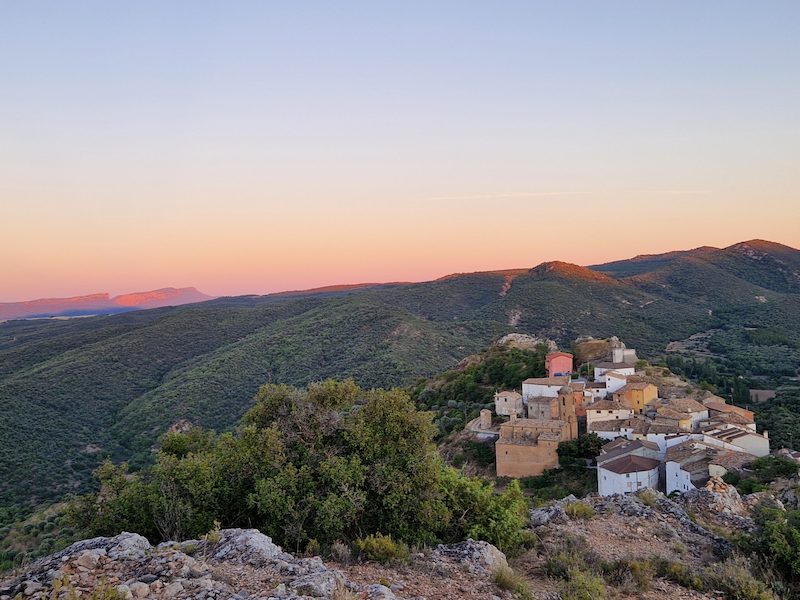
column 633, row 575
column 506, row 578
column 382, row 548
column 678, row 573
column 734, row 579
column 582, row 585
column 313, row 548
column 579, row 510
column 562, row 563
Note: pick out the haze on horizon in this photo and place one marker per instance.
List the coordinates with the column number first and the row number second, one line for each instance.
column 256, row 147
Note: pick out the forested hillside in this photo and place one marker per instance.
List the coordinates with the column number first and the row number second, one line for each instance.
column 73, row 392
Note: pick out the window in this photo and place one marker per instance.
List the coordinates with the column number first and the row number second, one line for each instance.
column 627, row 475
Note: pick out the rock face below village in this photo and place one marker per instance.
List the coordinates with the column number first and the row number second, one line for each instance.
column 244, row 563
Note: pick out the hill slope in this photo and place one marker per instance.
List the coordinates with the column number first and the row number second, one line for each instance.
column 74, row 391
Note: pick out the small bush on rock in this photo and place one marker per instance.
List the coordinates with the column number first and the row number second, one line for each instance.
column 579, row 510
column 382, row 549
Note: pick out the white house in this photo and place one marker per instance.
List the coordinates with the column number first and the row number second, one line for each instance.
column 692, row 463
column 627, row 474
column 742, row 438
column 507, row 403
column 601, row 368
column 615, row 381
column 596, row 390
column 606, row 410
column 543, row 386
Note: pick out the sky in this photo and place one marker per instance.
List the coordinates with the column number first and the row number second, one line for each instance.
column 249, row 147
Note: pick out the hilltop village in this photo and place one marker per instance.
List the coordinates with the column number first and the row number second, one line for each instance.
column 659, row 439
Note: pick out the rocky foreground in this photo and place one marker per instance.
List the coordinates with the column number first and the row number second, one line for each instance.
column 242, row 563
column 246, row 564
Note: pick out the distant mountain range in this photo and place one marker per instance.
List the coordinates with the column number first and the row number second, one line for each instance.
column 99, row 304
column 73, row 391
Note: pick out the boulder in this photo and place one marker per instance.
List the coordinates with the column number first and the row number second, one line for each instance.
column 479, row 556
column 139, row 589
column 246, row 546
column 88, row 559
column 173, row 589
column 321, row 584
column 128, row 546
column 377, row 591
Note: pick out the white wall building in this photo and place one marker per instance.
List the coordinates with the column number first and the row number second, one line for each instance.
column 606, row 410
column 547, row 387
column 615, row 381
column 600, row 369
column 627, row 474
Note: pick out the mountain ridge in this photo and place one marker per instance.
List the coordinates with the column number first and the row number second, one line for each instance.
column 100, row 303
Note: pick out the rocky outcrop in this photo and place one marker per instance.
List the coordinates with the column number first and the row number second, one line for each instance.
column 243, row 563
column 551, row 513
column 239, row 564
column 525, row 342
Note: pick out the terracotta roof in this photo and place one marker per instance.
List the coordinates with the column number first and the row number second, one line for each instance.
column 631, row 464
column 622, row 447
column 509, row 394
column 557, row 353
column 559, row 381
column 731, row 418
column 637, row 425
column 613, row 365
column 687, row 449
column 596, row 385
column 668, row 413
column 663, row 428
column 577, row 386
column 685, row 405
column 734, row 433
column 633, row 385
column 729, row 408
column 730, row 459
column 607, row 425
column 606, row 405
column 616, row 374
column 613, row 445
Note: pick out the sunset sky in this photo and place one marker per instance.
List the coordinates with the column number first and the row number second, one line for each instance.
column 249, row 147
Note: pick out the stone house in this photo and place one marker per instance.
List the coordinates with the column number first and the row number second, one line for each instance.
column 507, row 403
column 527, row 447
